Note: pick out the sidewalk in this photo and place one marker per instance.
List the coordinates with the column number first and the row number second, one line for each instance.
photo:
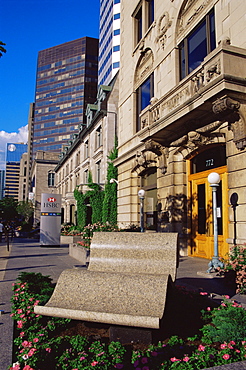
column 27, row 255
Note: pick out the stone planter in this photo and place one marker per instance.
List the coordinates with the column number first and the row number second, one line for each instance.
column 80, row 253
column 70, row 239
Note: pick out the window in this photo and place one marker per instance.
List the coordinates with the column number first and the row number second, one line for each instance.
column 86, row 174
column 199, row 43
column 98, row 172
column 116, row 48
column 99, row 137
column 116, row 65
column 116, row 32
column 143, row 18
column 116, row 1
column 51, row 178
column 117, row 16
column 139, row 25
column 87, row 149
column 151, row 16
column 144, row 94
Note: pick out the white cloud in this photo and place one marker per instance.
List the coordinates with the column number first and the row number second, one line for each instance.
column 11, row 137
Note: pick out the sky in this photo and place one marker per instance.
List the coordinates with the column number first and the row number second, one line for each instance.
column 26, row 27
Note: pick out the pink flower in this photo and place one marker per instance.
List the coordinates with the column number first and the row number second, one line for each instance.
column 223, row 346
column 201, row 347
column 27, row 367
column 226, row 356
column 26, row 344
column 82, row 358
column 237, row 350
column 173, row 359
column 19, row 310
column 232, row 342
column 227, row 296
column 48, row 350
column 22, row 333
column 186, row 359
column 19, row 324
column 208, row 309
column 35, row 340
column 31, row 352
column 203, row 293
column 94, row 363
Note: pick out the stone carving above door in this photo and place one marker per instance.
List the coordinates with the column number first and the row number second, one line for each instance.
column 199, row 137
column 235, row 113
column 154, row 155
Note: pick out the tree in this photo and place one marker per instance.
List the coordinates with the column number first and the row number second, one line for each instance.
column 8, row 208
column 25, row 209
column 2, row 49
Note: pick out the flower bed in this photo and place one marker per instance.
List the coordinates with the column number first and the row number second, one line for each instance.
column 43, row 343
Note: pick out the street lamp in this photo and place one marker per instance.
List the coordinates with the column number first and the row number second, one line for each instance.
column 141, row 194
column 214, row 180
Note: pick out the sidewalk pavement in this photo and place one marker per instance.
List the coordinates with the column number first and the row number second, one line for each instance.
column 27, row 255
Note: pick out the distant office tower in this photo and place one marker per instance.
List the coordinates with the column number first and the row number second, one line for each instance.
column 66, row 82
column 109, row 40
column 13, row 158
column 2, row 182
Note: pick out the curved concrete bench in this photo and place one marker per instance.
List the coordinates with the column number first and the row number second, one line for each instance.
column 125, row 284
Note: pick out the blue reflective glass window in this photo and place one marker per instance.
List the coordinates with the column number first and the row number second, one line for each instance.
column 117, row 16
column 197, row 45
column 116, row 1
column 144, row 94
column 116, row 32
column 116, row 65
column 116, row 48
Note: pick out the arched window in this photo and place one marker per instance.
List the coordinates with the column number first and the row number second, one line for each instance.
column 51, row 178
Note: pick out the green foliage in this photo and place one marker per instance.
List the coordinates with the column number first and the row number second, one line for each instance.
column 95, row 195
column 109, row 209
column 2, row 49
column 25, row 209
column 226, row 323
column 39, row 345
column 237, row 263
column 81, row 207
column 8, row 208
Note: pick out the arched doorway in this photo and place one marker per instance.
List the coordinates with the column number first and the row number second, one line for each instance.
column 213, row 159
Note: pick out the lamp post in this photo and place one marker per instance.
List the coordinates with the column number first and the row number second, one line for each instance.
column 214, row 180
column 141, row 194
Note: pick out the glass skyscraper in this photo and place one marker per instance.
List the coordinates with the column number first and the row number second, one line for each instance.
column 66, row 81
column 109, row 40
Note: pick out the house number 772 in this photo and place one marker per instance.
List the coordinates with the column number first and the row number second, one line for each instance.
column 209, row 162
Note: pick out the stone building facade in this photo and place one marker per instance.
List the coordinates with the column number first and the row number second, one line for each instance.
column 182, row 115
column 42, row 177
column 88, row 151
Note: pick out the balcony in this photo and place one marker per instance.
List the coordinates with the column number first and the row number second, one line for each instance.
column 191, row 101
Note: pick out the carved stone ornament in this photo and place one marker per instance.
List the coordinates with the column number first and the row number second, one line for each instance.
column 222, row 104
column 160, row 151
column 236, row 117
column 145, row 65
column 239, row 128
column 190, row 12
column 198, row 138
column 163, row 24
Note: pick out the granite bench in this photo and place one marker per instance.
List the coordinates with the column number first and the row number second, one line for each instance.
column 125, row 283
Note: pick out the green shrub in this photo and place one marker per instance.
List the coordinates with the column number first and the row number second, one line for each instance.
column 226, row 323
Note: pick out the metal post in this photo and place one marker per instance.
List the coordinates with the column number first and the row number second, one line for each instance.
column 141, row 194
column 214, row 183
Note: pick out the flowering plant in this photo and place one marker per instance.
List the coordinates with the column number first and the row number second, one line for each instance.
column 237, row 263
column 43, row 342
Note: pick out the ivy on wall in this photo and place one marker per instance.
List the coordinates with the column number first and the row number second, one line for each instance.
column 109, row 209
column 103, row 202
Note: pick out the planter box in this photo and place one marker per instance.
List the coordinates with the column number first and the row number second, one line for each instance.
column 79, row 253
column 70, row 239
